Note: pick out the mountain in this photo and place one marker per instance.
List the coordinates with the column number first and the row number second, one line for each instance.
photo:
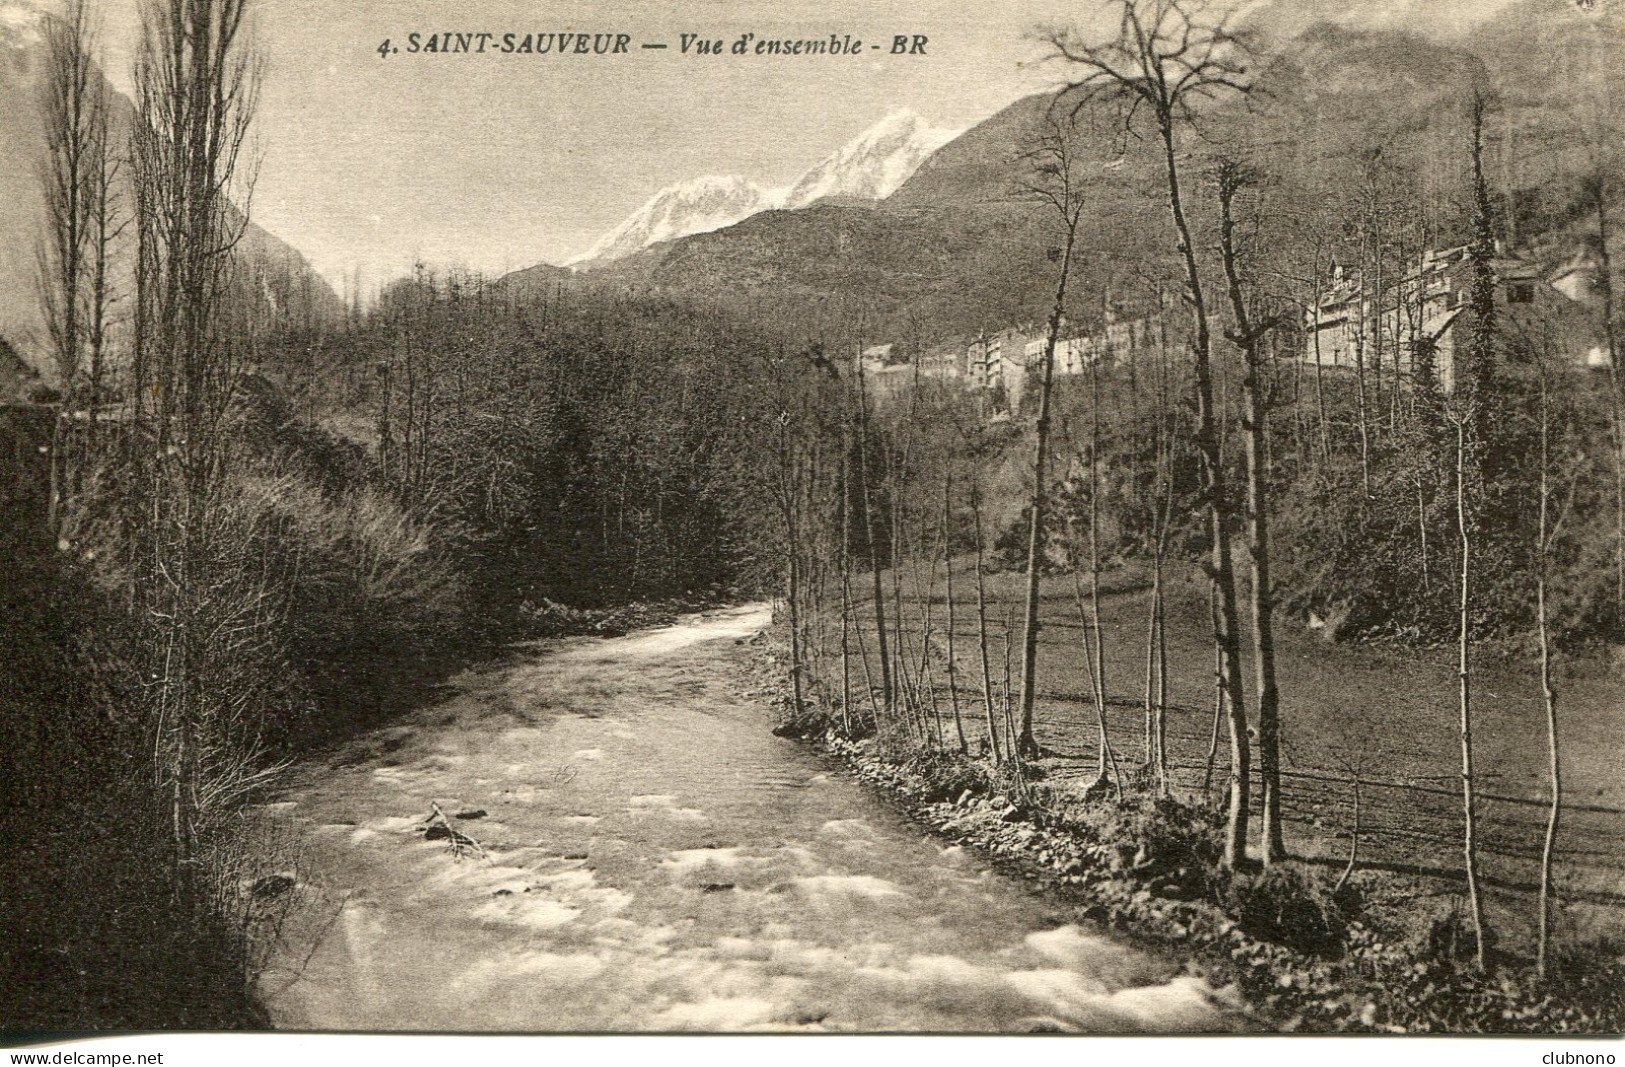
column 869, row 167
column 872, row 165
column 1279, row 22
column 282, row 276
column 696, row 206
column 956, row 249
column 977, row 167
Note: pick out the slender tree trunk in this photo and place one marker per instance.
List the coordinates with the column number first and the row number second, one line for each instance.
column 1547, row 685
column 1035, row 533
column 1464, row 674
column 1247, row 337
column 924, row 671
column 844, row 564
column 953, row 663
column 1159, row 597
column 792, row 563
column 1011, row 748
column 1362, row 416
column 1149, row 741
column 1218, row 692
column 1320, row 382
column 1227, row 641
column 1422, row 536
column 887, row 692
column 981, row 632
column 1354, row 842
column 1107, row 757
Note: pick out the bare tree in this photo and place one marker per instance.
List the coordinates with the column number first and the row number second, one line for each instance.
column 1167, row 58
column 72, row 255
column 1549, row 524
column 1056, row 181
column 948, row 562
column 1468, row 414
column 196, row 87
column 888, row 693
column 1463, row 417
column 1162, row 521
column 981, row 627
column 108, row 223
column 787, row 491
column 1248, row 334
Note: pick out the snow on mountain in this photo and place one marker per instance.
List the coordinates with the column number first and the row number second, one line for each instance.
column 697, row 206
column 871, row 167
column 874, row 164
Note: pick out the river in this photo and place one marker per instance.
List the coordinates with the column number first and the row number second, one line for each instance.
column 650, row 857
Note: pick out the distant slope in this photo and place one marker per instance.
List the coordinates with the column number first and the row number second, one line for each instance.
column 957, row 249
column 278, row 271
column 868, row 167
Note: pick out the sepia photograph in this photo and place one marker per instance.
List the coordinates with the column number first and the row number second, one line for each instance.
column 925, row 517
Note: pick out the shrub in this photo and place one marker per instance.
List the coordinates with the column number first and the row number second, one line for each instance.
column 946, row 775
column 367, row 576
column 1289, row 905
column 1172, row 846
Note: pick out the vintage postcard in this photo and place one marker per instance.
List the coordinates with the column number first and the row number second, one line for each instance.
column 1096, row 517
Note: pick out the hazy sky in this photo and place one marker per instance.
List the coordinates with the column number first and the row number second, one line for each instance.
column 500, row 161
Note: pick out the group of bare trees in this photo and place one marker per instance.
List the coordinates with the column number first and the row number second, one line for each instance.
column 1165, row 62
column 144, row 479
column 1392, row 482
column 84, row 220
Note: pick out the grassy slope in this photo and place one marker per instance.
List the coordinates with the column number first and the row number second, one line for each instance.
column 1388, row 713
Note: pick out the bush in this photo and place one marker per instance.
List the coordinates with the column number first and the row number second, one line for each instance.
column 1288, row 905
column 946, row 776
column 367, row 577
column 1172, row 846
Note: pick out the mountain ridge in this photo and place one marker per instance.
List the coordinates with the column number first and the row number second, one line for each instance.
column 955, row 247
column 869, row 167
column 280, row 272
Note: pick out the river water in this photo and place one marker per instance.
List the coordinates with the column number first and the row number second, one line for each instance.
column 652, row 858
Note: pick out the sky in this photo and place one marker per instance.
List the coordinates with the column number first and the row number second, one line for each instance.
column 498, row 162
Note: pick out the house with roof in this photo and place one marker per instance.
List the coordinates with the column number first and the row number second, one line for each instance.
column 1073, row 355
column 996, row 364
column 944, row 362
column 1426, row 316
column 16, row 376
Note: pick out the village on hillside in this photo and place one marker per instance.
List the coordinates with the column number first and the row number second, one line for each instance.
column 1398, row 328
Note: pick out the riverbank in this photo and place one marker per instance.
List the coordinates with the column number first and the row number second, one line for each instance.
column 1378, row 715
column 1383, row 949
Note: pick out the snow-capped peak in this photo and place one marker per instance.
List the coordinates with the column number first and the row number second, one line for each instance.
column 699, row 205
column 871, row 166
